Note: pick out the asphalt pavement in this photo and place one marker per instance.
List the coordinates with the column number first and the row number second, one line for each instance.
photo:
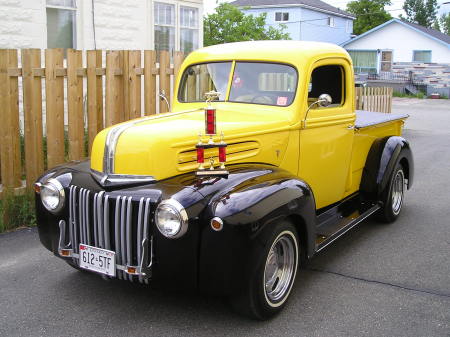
column 378, row 280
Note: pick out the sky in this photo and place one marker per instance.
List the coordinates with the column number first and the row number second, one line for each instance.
column 395, row 9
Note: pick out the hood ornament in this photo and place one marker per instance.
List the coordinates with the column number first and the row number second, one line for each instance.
column 211, row 131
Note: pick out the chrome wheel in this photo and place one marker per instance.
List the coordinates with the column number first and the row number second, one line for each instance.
column 280, row 268
column 397, row 192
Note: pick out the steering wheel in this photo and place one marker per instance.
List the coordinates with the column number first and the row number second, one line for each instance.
column 266, row 99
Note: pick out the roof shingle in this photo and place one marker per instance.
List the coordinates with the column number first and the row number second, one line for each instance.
column 434, row 33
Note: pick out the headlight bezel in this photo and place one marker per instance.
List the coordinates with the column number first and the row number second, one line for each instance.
column 181, row 213
column 57, row 187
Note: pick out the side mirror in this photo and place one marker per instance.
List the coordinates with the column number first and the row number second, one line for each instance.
column 324, row 100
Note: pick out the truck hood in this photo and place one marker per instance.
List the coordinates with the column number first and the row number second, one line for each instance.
column 163, row 145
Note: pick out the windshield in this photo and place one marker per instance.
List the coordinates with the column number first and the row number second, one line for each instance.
column 252, row 82
column 202, row 78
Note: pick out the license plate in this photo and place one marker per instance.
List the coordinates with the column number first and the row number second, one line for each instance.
column 97, row 259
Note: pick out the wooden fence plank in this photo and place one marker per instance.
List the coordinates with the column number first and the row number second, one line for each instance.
column 94, row 95
column 75, row 105
column 32, row 106
column 125, row 113
column 177, row 61
column 149, row 82
column 133, row 80
column 10, row 164
column 164, row 79
column 54, row 113
column 114, row 88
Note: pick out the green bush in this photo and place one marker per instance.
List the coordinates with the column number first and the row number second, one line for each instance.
column 17, row 211
column 420, row 95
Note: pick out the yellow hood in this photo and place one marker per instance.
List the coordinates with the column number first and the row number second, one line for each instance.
column 163, row 145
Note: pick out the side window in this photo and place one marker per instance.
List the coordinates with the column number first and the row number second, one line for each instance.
column 327, row 80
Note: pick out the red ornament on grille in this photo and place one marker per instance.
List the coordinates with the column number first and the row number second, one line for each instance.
column 210, row 132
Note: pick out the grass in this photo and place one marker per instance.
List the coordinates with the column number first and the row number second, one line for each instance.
column 16, row 211
column 419, row 95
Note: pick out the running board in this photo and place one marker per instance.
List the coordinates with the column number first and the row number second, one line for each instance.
column 341, row 227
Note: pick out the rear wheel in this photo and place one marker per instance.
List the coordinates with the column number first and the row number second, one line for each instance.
column 269, row 287
column 393, row 197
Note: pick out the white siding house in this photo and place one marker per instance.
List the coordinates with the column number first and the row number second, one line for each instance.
column 102, row 24
column 397, row 42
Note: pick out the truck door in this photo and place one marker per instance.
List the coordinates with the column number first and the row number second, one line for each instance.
column 326, row 137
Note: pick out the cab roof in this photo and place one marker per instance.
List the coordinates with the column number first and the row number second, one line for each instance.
column 293, row 52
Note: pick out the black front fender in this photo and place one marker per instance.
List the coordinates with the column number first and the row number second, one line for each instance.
column 248, row 208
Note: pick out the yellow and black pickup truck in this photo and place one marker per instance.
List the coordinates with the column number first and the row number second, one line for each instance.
column 261, row 163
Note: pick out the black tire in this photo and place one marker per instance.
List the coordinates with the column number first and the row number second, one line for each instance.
column 261, row 298
column 392, row 199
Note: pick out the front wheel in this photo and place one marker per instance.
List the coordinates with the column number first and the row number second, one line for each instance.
column 393, row 197
column 269, row 288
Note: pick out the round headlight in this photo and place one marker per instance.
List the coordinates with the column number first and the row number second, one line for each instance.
column 52, row 195
column 171, row 219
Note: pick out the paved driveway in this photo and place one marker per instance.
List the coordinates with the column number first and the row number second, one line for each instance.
column 378, row 280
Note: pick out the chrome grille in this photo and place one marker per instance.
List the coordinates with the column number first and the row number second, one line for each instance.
column 108, row 222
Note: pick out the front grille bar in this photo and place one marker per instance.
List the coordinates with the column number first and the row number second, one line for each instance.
column 85, row 211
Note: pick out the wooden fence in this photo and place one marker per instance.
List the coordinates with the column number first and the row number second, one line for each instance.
column 374, row 99
column 73, row 83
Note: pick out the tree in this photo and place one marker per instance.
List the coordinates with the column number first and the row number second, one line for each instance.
column 422, row 12
column 369, row 14
column 445, row 23
column 229, row 24
column 436, row 25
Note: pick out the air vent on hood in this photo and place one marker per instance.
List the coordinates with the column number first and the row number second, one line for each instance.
column 187, row 159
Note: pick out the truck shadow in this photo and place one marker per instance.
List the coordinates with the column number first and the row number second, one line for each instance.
column 131, row 304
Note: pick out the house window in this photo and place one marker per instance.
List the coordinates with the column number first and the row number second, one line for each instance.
column 330, row 21
column 61, row 23
column 349, row 26
column 423, row 56
column 188, row 29
column 164, row 26
column 364, row 61
column 281, row 17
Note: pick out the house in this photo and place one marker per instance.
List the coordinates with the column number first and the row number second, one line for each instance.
column 403, row 55
column 306, row 20
column 102, row 24
column 396, row 41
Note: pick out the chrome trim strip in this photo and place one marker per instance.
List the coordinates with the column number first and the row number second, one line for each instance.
column 117, row 235
column 96, row 239
column 106, row 223
column 139, row 232
column 88, row 218
column 114, row 134
column 129, row 235
column 123, row 252
column 145, row 239
column 108, row 180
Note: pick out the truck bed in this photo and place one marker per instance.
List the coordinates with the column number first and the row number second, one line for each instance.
column 369, row 118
